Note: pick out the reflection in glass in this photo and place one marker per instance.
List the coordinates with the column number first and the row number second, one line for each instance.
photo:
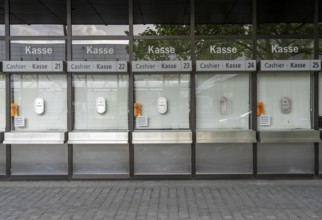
column 273, row 88
column 161, row 30
column 52, row 89
column 222, row 101
column 223, row 49
column 37, row 30
column 113, row 88
column 175, row 88
column 37, row 50
column 285, row 49
column 100, row 50
column 161, row 50
column 223, row 29
column 99, row 30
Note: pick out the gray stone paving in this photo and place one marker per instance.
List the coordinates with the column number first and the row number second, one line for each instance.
column 162, row 200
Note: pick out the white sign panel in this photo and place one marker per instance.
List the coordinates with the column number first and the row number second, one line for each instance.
column 103, row 66
column 290, row 65
column 226, row 65
column 161, row 66
column 33, row 66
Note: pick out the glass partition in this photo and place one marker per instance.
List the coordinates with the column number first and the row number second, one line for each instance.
column 286, row 100
column 52, row 89
column 113, row 88
column 175, row 88
column 222, row 100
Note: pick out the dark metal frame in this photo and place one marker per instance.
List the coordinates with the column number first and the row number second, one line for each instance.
column 192, row 38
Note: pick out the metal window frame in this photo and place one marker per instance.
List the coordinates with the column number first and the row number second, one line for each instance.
column 68, row 38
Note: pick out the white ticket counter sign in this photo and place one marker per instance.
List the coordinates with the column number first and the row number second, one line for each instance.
column 101, row 66
column 290, row 65
column 226, row 65
column 161, row 66
column 33, row 66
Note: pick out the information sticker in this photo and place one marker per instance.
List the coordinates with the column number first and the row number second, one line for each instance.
column 142, row 121
column 19, row 121
column 265, row 120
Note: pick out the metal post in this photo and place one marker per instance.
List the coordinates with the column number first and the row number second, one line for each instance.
column 131, row 90
column 253, row 85
column 70, row 115
column 193, row 88
column 8, row 85
column 315, row 100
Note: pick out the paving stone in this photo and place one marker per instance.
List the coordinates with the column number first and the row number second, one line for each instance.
column 161, row 200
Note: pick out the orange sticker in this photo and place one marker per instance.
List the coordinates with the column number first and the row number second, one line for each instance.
column 137, row 109
column 13, row 109
column 260, row 108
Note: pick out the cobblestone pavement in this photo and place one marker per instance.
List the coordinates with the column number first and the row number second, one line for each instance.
column 162, row 200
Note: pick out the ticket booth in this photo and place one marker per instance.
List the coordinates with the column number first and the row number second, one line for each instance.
column 285, row 125
column 39, row 118
column 2, row 124
column 162, row 137
column 223, row 137
column 100, row 135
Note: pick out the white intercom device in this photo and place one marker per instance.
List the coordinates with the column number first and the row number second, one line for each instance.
column 101, row 105
column 223, row 105
column 39, row 105
column 286, row 105
column 162, row 105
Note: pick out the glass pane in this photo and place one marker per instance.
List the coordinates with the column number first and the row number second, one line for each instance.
column 161, row 159
column 293, row 17
column 100, row 17
column 100, row 30
column 38, row 50
column 161, row 50
column 224, row 158
column 161, row 17
column 52, row 89
column 113, row 88
column 2, row 50
column 285, row 49
column 43, row 13
column 104, row 50
column 2, row 159
column 39, row 159
column 286, row 158
column 2, row 16
column 37, row 30
column 2, row 102
column 175, row 88
column 223, row 17
column 100, row 159
column 286, row 100
column 222, row 101
column 231, row 49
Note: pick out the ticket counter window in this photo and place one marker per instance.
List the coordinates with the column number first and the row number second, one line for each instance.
column 39, row 102
column 162, row 101
column 101, row 101
column 284, row 99
column 222, row 101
